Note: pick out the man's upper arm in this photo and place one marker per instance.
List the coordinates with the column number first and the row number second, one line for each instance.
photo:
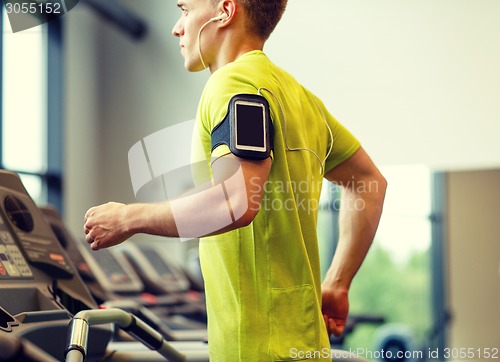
column 244, row 181
column 357, row 168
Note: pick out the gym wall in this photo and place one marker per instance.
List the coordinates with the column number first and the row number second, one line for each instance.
column 473, row 258
column 416, row 80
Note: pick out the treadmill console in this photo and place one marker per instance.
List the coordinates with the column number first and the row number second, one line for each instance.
column 68, row 242
column 22, row 218
column 12, row 262
column 111, row 269
column 156, row 268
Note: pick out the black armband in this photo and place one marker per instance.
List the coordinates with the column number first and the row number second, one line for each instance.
column 247, row 128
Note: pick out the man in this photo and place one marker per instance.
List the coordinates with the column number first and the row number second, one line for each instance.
column 265, row 300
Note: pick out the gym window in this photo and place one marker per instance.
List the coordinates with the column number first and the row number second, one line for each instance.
column 30, row 111
column 401, row 279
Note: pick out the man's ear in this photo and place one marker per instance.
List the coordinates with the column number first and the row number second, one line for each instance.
column 229, row 8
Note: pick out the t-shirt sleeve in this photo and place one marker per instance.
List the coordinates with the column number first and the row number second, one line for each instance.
column 344, row 142
column 221, row 87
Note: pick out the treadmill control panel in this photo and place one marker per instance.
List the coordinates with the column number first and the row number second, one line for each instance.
column 154, row 265
column 34, row 240
column 112, row 269
column 110, row 266
column 46, row 255
column 12, row 262
column 158, row 263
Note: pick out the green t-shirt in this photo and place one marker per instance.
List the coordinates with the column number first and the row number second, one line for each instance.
column 263, row 281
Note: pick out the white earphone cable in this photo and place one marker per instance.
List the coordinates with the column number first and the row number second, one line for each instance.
column 321, row 162
column 199, row 43
column 217, row 18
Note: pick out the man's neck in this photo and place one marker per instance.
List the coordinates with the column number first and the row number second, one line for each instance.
column 234, row 47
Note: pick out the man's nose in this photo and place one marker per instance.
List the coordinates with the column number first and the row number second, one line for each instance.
column 178, row 29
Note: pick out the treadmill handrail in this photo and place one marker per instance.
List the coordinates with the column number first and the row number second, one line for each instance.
column 79, row 329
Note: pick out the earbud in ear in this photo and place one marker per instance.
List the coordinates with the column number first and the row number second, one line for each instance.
column 220, row 17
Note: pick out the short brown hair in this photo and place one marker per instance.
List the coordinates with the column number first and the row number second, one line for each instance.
column 263, row 15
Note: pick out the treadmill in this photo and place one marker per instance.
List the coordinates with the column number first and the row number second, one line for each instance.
column 41, row 294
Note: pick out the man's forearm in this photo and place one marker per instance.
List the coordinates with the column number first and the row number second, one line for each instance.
column 154, row 219
column 196, row 215
column 360, row 211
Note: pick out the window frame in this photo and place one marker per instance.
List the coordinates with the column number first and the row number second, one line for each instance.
column 52, row 178
column 441, row 314
column 55, row 129
column 1, row 83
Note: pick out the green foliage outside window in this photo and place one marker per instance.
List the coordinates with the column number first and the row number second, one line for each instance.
column 398, row 291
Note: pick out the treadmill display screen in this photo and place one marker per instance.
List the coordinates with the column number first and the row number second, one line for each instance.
column 157, row 262
column 110, row 266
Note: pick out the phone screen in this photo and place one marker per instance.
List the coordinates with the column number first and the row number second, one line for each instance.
column 250, row 131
